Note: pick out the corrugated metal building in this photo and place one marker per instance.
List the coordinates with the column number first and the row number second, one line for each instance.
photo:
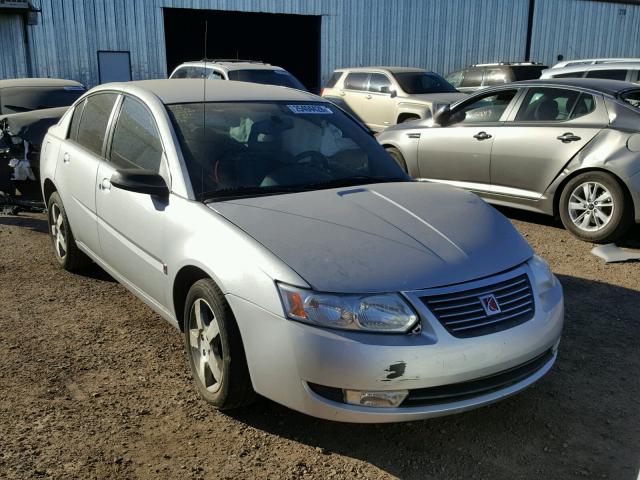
column 314, row 36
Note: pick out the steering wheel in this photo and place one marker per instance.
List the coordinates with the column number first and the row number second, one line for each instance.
column 315, row 156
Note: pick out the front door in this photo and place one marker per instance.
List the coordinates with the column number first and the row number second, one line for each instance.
column 131, row 226
column 460, row 152
column 380, row 105
column 354, row 93
column 551, row 126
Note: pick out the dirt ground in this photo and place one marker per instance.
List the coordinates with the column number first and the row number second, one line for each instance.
column 93, row 384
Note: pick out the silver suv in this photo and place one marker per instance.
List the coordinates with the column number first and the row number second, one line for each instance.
column 240, row 70
column 384, row 96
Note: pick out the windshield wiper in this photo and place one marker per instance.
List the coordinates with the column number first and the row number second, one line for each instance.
column 245, row 192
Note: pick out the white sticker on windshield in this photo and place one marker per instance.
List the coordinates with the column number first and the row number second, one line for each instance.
column 315, row 109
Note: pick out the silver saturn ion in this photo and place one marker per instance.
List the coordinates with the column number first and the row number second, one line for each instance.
column 298, row 259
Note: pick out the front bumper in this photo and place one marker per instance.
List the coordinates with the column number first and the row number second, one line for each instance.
column 284, row 357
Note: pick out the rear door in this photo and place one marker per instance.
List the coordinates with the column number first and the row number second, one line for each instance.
column 131, row 226
column 460, row 153
column 80, row 156
column 354, row 93
column 380, row 106
column 549, row 128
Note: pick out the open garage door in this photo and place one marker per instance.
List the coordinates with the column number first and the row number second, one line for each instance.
column 289, row 41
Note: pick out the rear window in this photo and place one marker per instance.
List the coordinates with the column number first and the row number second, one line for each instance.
column 608, row 74
column 415, row 83
column 528, row 73
column 334, row 79
column 25, row 99
column 267, row 77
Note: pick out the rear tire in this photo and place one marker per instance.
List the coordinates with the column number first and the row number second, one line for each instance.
column 214, row 348
column 595, row 208
column 398, row 157
column 67, row 253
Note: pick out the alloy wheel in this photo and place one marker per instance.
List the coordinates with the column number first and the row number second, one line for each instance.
column 591, row 206
column 205, row 345
column 58, row 231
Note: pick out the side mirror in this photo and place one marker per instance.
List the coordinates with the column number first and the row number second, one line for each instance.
column 140, row 181
column 393, row 93
column 443, row 115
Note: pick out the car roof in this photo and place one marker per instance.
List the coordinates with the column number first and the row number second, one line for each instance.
column 602, row 85
column 584, row 67
column 39, row 82
column 386, row 69
column 189, row 90
column 593, row 61
column 231, row 65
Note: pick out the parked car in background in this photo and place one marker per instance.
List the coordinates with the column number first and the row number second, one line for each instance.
column 483, row 75
column 567, row 147
column 253, row 71
column 593, row 61
column 299, row 260
column 28, row 107
column 384, row 96
column 622, row 71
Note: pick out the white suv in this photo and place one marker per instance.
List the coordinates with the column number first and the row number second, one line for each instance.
column 240, row 70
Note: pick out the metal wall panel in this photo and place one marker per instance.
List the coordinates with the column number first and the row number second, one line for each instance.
column 441, row 35
column 581, row 29
column 13, row 59
column 437, row 34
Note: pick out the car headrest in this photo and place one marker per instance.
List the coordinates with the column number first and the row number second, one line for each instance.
column 547, row 110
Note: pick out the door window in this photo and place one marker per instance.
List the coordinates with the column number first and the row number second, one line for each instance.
column 609, row 74
column 554, row 104
column 356, row 81
column 455, row 78
column 486, row 109
column 379, row 83
column 94, row 120
column 136, row 142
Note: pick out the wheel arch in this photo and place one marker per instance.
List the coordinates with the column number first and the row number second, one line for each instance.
column 48, row 187
column 574, row 174
column 184, row 279
column 402, row 116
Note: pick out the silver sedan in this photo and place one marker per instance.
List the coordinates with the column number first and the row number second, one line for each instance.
column 299, row 261
column 567, row 147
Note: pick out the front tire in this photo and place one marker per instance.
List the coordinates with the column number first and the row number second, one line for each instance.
column 214, row 348
column 67, row 253
column 595, row 208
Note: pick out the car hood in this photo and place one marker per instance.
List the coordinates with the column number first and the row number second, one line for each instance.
column 439, row 98
column 381, row 237
column 32, row 126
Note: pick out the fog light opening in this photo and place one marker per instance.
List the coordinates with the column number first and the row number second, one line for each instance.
column 384, row 398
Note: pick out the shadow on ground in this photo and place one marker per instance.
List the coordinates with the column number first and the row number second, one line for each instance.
column 37, row 224
column 579, row 421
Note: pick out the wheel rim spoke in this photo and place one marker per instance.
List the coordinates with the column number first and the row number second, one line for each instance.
column 591, row 206
column 204, row 340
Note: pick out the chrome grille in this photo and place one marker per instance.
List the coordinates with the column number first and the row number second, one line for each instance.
column 463, row 314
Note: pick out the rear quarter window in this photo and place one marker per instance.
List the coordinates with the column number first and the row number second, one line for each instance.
column 608, row 74
column 334, row 79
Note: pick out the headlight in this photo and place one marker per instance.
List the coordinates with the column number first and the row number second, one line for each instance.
column 544, row 278
column 387, row 312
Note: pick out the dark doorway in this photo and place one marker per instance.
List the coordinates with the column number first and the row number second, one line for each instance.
column 288, row 41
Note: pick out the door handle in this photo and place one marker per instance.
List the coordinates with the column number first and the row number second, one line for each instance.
column 66, row 158
column 368, row 97
column 568, row 137
column 342, row 94
column 482, row 136
column 105, row 184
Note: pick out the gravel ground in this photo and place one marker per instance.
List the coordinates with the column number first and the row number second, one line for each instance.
column 94, row 385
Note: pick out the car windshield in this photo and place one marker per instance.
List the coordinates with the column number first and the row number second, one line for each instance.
column 415, row 83
column 234, row 149
column 268, row 77
column 26, row 99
